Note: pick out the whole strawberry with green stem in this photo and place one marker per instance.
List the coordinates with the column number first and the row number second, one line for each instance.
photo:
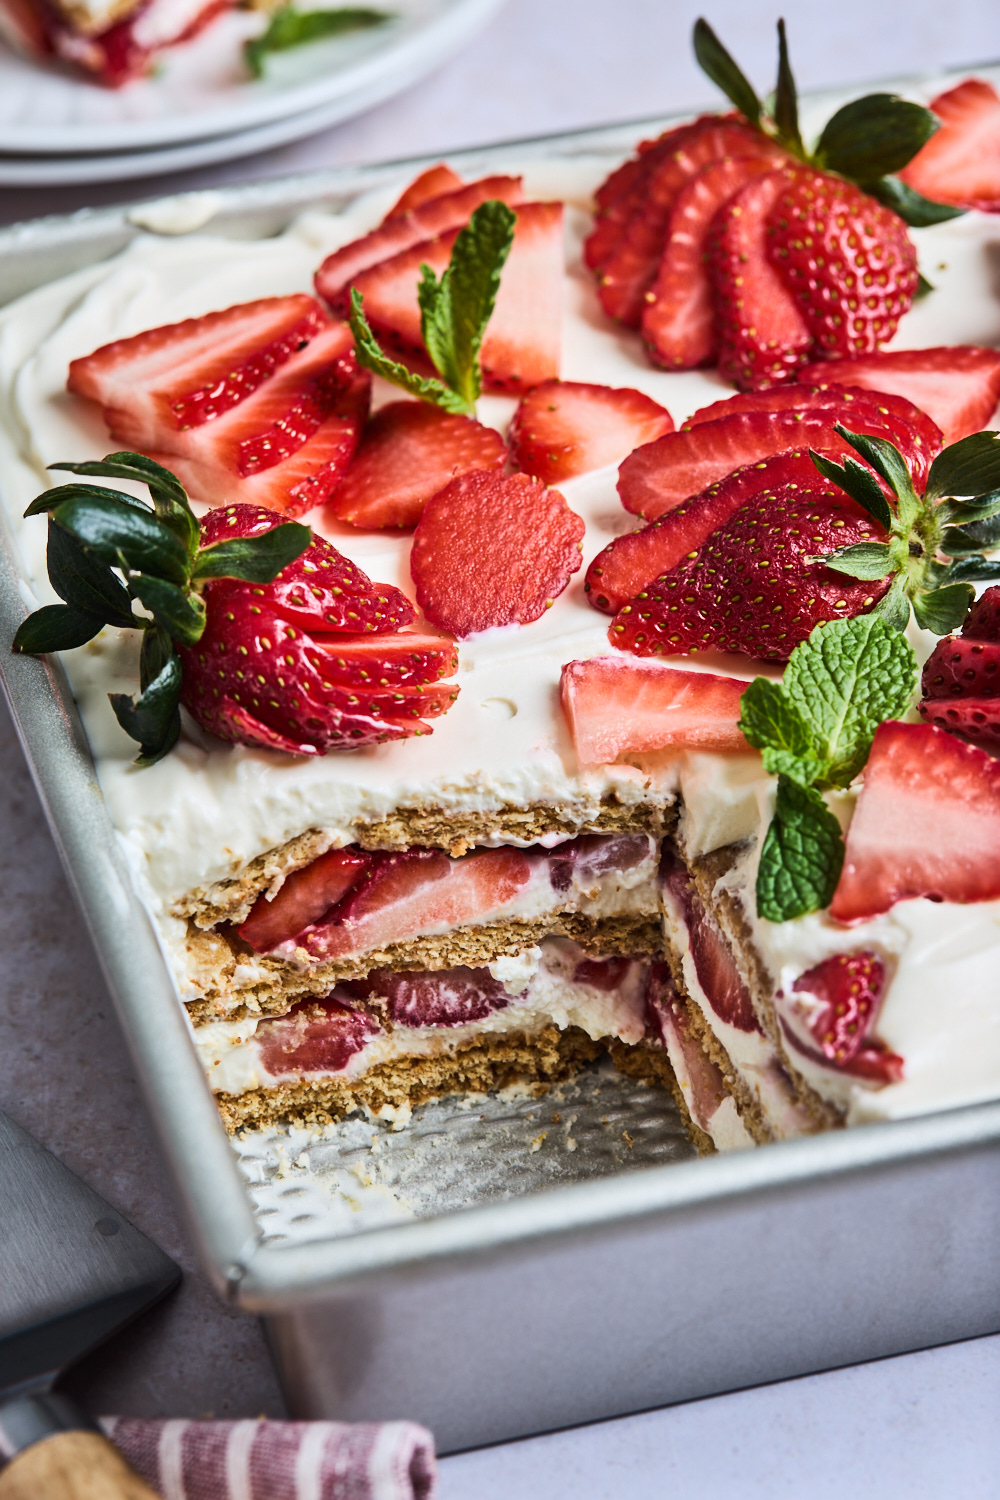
column 817, row 250
column 267, row 634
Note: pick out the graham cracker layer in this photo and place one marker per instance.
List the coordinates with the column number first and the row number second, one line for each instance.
column 486, row 1062
column 652, row 1065
column 227, row 971
column 230, row 899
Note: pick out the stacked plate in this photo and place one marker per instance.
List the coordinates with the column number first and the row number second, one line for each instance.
column 201, row 106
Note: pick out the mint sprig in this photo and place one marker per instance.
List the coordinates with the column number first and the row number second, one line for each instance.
column 867, row 141
column 934, row 549
column 454, row 312
column 814, row 730
column 107, row 548
column 289, row 27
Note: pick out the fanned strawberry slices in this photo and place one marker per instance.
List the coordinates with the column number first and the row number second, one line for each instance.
column 261, row 403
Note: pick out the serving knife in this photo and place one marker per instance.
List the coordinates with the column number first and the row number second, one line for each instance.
column 72, row 1273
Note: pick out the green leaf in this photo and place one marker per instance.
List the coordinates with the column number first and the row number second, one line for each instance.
column 973, row 570
column 802, row 856
column 982, row 536
column 845, row 681
column 157, row 650
column 912, row 207
column 786, row 103
column 49, row 499
column 54, row 627
column 886, row 460
column 371, row 356
column 714, row 60
column 255, row 559
column 773, row 725
column 859, row 482
column 180, row 612
column 924, row 287
column 894, row 607
column 88, row 586
column 969, row 467
column 966, row 512
column 455, row 310
column 169, row 497
column 153, row 718
column 870, row 137
column 289, row 27
column 862, row 560
column 124, row 538
column 943, row 610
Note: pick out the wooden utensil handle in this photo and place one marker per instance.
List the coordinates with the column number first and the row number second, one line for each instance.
column 72, row 1466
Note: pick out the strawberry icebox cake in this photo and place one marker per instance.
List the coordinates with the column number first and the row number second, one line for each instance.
column 551, row 616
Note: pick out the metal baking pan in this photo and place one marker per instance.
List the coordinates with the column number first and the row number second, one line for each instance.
column 530, row 1288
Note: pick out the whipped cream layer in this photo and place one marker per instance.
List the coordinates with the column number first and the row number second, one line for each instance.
column 941, row 1008
column 546, row 986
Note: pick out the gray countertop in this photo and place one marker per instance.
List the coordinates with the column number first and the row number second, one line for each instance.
column 541, row 65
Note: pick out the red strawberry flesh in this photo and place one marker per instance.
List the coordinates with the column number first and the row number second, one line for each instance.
column 433, row 183
column 926, row 823
column 427, row 221
column 713, row 961
column 315, row 1037
column 491, row 551
column 678, row 323
column 763, row 338
column 305, row 896
column 982, row 623
column 960, row 163
column 564, row 427
column 408, row 452
column 613, row 706
column 443, row 997
column 958, row 387
column 960, row 667
column 849, row 988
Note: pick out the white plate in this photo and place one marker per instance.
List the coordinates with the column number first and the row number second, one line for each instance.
column 202, row 89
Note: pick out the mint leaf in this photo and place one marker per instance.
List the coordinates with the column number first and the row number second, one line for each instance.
column 456, row 309
column 802, row 856
column 371, row 356
column 774, row 726
column 289, row 27
column 845, row 680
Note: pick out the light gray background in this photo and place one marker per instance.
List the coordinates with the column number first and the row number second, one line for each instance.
column 922, row 1425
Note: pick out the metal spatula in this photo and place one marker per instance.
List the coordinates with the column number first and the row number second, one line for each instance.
column 72, row 1272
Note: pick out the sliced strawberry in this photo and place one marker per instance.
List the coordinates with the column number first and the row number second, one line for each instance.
column 404, row 895
column 957, row 387
column 926, row 823
column 628, row 272
column 315, row 1037
column 982, row 623
column 678, row 322
column 386, row 661
column 846, row 990
column 614, row 706
column 449, row 211
column 434, row 182
column 852, row 405
column 604, row 974
column 443, row 997
column 960, row 163
column 763, row 338
column 565, row 427
column 490, row 551
column 713, row 961
column 962, row 667
column 619, row 194
column 408, row 452
column 699, row 1077
column 971, row 718
column 630, row 562
column 321, row 590
column 305, row 896
column 661, row 475
column 184, row 374
column 522, row 340
column 591, row 856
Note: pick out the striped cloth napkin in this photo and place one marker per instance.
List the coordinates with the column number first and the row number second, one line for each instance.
column 250, row 1460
